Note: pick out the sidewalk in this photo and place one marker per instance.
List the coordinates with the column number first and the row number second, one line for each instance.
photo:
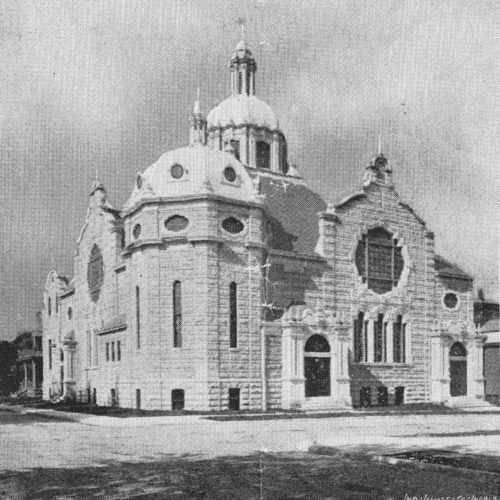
column 132, row 421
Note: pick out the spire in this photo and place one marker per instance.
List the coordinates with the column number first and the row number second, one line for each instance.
column 198, row 128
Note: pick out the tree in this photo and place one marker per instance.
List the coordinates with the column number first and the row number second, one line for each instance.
column 8, row 374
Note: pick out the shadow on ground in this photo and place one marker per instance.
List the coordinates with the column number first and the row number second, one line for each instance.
column 273, row 476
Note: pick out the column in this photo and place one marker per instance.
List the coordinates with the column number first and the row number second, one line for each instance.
column 475, row 385
column 33, row 373
column 370, row 346
column 342, row 373
column 390, row 340
column 25, row 367
column 293, row 393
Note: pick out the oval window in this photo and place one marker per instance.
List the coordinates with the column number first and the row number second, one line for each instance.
column 136, row 231
column 232, row 225
column 450, row 300
column 177, row 171
column 230, row 174
column 176, row 223
column 139, row 181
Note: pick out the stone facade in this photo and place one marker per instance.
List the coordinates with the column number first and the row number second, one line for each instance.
column 225, row 282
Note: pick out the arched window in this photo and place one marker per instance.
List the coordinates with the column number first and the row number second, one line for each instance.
column 379, row 260
column 240, row 82
column 379, row 340
column 235, row 144
column 457, row 349
column 233, row 315
column 263, row 159
column 284, row 158
column 138, row 316
column 177, row 313
column 95, row 272
column 317, row 343
column 399, row 338
column 49, row 307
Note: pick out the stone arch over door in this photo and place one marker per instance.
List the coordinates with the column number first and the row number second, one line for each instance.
column 317, row 361
column 458, row 370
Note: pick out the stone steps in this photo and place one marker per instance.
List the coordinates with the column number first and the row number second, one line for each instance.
column 468, row 402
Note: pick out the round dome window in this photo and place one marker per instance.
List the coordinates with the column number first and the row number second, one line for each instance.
column 136, row 232
column 230, row 174
column 232, row 225
column 177, row 171
column 138, row 181
column 450, row 300
column 176, row 223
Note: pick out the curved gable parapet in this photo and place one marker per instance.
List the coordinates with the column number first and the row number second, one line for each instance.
column 412, row 211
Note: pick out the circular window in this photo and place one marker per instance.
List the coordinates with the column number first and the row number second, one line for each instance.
column 139, row 181
column 177, row 171
column 230, row 174
column 232, row 225
column 70, row 312
column 176, row 223
column 450, row 300
column 136, row 231
column 95, row 273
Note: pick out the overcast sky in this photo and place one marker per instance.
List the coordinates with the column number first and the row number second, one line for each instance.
column 109, row 85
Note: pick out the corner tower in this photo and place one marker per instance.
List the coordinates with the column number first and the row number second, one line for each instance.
column 244, row 124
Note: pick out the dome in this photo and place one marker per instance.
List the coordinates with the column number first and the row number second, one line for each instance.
column 193, row 170
column 242, row 109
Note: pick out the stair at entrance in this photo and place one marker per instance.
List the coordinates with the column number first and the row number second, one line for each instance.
column 469, row 402
column 323, row 404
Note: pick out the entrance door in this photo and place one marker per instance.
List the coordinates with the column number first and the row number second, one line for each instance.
column 317, row 372
column 458, row 370
column 317, row 367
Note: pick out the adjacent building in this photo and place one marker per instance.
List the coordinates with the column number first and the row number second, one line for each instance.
column 226, row 282
column 29, row 363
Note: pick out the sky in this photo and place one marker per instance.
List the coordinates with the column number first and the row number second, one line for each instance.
column 109, row 86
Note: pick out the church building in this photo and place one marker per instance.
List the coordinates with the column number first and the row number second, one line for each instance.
column 225, row 282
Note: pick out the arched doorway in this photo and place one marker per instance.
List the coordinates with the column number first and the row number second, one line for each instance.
column 458, row 370
column 317, row 367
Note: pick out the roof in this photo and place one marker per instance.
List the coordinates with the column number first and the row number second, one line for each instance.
column 292, row 208
column 491, row 325
column 446, row 269
column 203, row 172
column 242, row 109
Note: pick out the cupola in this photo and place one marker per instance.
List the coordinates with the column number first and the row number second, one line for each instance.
column 245, row 122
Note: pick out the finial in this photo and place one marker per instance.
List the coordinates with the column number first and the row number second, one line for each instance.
column 241, row 22
column 197, row 104
column 379, row 145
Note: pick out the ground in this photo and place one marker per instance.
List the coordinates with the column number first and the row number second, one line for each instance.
column 192, row 457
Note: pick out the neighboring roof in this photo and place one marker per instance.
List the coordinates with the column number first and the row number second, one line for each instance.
column 292, row 208
column 242, row 109
column 491, row 325
column 446, row 269
column 203, row 173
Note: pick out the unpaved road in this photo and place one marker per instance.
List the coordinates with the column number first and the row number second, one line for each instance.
column 27, row 442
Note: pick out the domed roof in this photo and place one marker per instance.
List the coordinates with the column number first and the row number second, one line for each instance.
column 193, row 170
column 243, row 109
